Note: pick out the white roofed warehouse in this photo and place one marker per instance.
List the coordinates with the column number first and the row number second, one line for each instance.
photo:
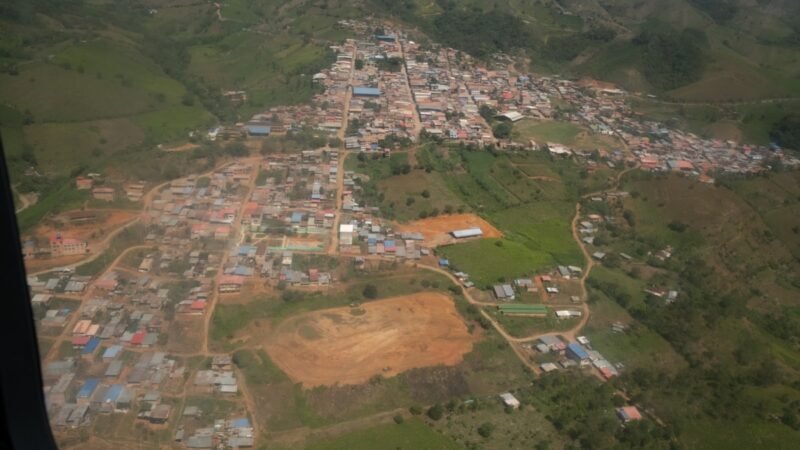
column 467, row 233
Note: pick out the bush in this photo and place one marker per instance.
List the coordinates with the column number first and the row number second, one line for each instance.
column 398, row 419
column 415, row 410
column 436, row 412
column 370, row 291
column 486, row 429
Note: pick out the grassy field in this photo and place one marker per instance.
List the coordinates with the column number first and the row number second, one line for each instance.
column 543, row 132
column 412, row 434
column 518, row 326
column 398, row 189
column 489, row 261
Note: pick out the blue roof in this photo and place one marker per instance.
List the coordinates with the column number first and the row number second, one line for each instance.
column 112, row 352
column 88, row 387
column 578, row 350
column 241, row 423
column 246, row 249
column 385, row 37
column 369, row 91
column 444, row 262
column 259, row 129
column 90, row 346
column 297, row 217
column 112, row 393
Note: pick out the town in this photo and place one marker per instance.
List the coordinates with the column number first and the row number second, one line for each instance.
column 135, row 337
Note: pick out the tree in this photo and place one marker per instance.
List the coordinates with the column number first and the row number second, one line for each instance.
column 502, row 130
column 426, row 194
column 370, row 291
column 415, row 410
column 436, row 412
column 398, row 419
column 486, row 429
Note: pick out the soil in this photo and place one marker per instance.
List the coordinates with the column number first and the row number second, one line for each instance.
column 107, row 221
column 437, row 229
column 348, row 346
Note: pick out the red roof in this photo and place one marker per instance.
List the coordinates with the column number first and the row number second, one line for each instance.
column 231, row 279
column 198, row 305
column 80, row 341
column 137, row 338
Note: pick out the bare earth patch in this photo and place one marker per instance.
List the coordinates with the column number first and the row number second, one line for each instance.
column 437, row 229
column 350, row 346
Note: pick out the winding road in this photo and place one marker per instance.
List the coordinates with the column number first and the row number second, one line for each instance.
column 573, row 332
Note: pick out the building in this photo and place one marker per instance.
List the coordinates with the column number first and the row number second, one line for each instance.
column 346, row 234
column 103, row 193
column 83, row 183
column 467, row 233
column 362, row 91
column 628, row 413
column 509, row 400
column 230, row 283
column 258, row 130
column 511, row 116
column 577, row 352
column 504, row 292
column 64, row 246
column 146, row 265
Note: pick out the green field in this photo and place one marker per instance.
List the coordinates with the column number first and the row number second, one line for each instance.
column 398, row 189
column 543, row 132
column 488, row 263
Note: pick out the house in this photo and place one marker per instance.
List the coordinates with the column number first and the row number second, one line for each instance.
column 230, row 283
column 222, row 232
column 361, row 91
column 577, row 352
column 222, row 362
column 159, row 414
column 82, row 183
column 503, row 292
column 509, row 400
column 103, row 193
column 628, row 413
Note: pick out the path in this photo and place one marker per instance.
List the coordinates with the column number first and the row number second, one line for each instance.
column 412, row 151
column 26, row 200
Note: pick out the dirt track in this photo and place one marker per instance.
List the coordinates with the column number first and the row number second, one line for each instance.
column 386, row 338
column 437, row 229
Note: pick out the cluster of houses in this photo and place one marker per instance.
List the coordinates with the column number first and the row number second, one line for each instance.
column 236, row 432
column 381, row 104
column 574, row 354
column 449, row 91
column 367, row 235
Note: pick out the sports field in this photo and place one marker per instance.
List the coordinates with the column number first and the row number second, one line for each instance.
column 351, row 345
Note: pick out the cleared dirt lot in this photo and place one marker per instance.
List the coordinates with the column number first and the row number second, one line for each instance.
column 437, row 229
column 386, row 337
